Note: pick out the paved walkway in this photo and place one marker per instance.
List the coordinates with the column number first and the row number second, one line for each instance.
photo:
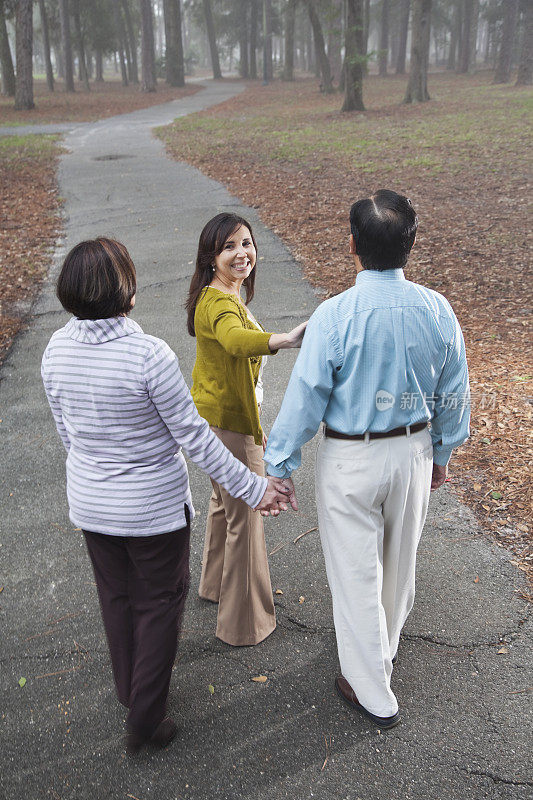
column 463, row 665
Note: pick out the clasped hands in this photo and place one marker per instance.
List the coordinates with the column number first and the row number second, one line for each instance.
column 279, row 492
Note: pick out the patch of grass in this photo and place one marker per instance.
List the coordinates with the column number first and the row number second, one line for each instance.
column 29, row 146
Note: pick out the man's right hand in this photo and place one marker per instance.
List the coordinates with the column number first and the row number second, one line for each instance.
column 275, row 498
column 439, row 476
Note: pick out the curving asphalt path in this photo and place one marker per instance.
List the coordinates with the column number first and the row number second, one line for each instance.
column 464, row 667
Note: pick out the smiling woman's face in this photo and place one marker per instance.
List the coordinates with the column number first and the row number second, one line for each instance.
column 237, row 258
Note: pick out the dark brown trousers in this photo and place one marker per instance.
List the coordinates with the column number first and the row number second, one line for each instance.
column 142, row 585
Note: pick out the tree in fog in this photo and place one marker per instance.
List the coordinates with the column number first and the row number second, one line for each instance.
column 24, row 54
column 211, row 36
column 66, row 45
column 148, row 78
column 503, row 67
column 290, row 24
column 175, row 70
column 320, row 47
column 6, row 60
column 383, row 55
column 417, row 89
column 80, row 44
column 405, row 8
column 525, row 66
column 131, row 35
column 354, row 58
column 46, row 46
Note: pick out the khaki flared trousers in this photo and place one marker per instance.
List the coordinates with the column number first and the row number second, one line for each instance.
column 235, row 570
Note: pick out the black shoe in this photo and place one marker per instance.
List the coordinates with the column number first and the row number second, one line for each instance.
column 348, row 695
column 395, row 658
column 161, row 737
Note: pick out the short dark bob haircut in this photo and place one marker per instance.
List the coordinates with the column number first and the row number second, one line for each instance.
column 97, row 280
column 212, row 239
column 384, row 230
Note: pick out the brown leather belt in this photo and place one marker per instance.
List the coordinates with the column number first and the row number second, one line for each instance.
column 381, row 435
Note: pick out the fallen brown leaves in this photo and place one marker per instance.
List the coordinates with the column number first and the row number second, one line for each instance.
column 29, row 224
column 104, row 100
column 470, row 190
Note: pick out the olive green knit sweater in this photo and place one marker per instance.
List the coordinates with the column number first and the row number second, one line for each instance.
column 228, row 357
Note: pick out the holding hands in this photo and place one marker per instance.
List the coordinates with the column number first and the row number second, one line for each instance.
column 278, row 493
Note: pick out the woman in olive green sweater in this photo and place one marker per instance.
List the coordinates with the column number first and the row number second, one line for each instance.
column 227, row 390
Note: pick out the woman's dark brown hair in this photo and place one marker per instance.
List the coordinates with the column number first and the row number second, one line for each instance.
column 212, row 239
column 97, row 280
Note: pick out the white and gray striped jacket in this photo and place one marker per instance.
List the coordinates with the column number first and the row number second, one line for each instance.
column 124, row 413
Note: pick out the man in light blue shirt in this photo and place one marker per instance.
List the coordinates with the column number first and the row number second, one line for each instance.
column 378, row 362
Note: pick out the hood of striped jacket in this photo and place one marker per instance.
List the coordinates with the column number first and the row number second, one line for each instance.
column 98, row 331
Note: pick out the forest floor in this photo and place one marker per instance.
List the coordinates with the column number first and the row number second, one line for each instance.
column 462, row 158
column 30, row 217
column 104, row 100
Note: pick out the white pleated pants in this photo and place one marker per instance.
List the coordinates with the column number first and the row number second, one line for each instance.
column 372, row 498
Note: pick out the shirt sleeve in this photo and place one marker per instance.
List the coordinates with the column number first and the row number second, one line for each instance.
column 54, row 402
column 450, row 424
column 172, row 399
column 230, row 332
column 304, row 403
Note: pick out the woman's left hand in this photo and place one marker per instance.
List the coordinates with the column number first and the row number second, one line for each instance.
column 265, row 440
column 284, row 341
column 295, row 337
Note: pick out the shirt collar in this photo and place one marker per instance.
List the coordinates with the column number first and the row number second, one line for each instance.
column 97, row 331
column 370, row 275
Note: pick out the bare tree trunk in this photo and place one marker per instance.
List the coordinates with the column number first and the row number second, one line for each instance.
column 460, row 10
column 383, row 56
column 210, row 25
column 268, row 70
column 525, row 66
column 472, row 36
column 60, row 61
column 466, row 36
column 335, row 40
column 134, row 75
column 125, row 43
column 173, row 43
column 254, row 23
column 454, row 36
column 24, row 53
column 84, row 77
column 46, row 46
column 6, row 60
column 354, row 57
column 404, row 30
column 290, row 23
column 503, row 68
column 120, row 35
column 99, row 65
column 417, row 89
column 320, row 47
column 148, row 81
column 244, row 68
column 66, row 42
